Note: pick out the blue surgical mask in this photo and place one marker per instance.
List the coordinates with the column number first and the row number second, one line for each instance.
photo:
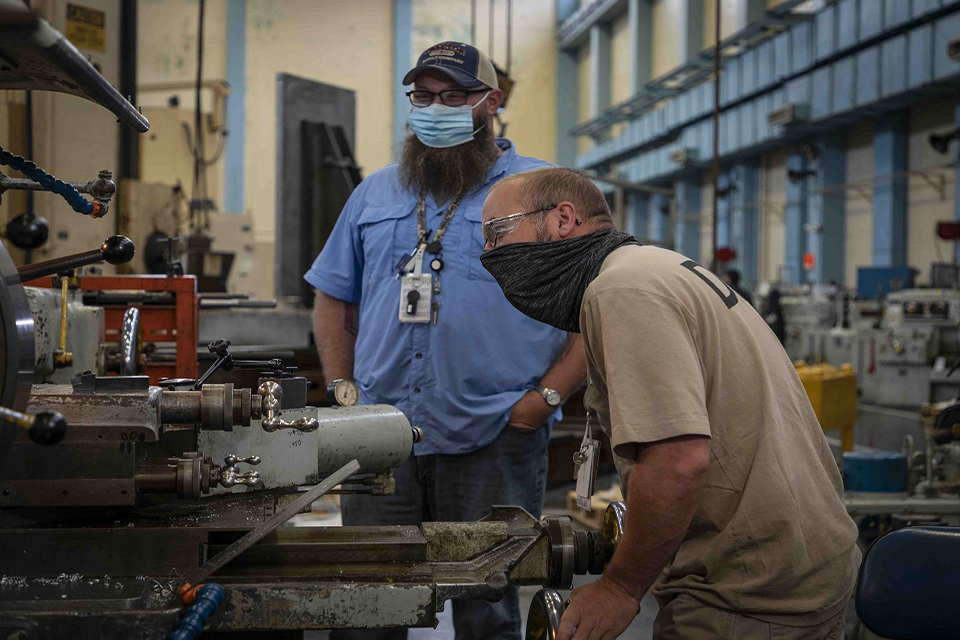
column 440, row 126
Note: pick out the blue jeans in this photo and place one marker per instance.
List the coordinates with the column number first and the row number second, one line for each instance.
column 512, row 470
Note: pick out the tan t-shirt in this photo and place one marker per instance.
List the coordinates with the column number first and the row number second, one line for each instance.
column 673, row 351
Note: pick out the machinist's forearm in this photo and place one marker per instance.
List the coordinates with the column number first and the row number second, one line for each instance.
column 332, row 320
column 663, row 492
column 569, row 371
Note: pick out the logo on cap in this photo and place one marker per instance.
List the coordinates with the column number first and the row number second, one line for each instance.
column 445, row 49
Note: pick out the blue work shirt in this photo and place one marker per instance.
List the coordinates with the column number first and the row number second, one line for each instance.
column 458, row 379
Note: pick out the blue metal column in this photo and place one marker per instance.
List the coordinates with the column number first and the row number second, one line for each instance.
column 640, row 19
column 827, row 213
column 233, row 159
column 568, row 106
column 402, row 61
column 745, row 221
column 723, row 210
column 659, row 218
column 599, row 72
column 638, row 207
column 690, row 30
column 956, row 182
column 890, row 192
column 749, row 11
column 795, row 218
column 688, row 216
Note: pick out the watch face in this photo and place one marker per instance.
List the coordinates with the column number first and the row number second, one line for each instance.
column 553, row 398
column 346, row 393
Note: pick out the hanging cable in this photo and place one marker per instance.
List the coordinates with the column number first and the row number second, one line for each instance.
column 714, row 265
column 197, row 122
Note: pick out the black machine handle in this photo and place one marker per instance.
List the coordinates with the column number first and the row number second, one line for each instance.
column 114, row 250
column 47, row 427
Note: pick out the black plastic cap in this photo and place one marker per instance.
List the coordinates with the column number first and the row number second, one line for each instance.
column 49, row 427
column 118, row 250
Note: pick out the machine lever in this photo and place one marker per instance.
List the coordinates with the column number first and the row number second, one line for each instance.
column 270, row 395
column 114, row 250
column 47, row 427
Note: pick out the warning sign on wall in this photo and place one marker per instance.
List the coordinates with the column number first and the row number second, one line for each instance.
column 86, row 28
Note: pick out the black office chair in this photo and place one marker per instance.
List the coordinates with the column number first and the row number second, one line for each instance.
column 909, row 585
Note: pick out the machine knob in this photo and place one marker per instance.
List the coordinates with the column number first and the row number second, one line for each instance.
column 49, row 427
column 117, row 250
column 27, row 232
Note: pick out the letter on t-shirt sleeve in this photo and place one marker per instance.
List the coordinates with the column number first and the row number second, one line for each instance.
column 655, row 385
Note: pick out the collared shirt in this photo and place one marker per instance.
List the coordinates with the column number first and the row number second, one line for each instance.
column 458, row 379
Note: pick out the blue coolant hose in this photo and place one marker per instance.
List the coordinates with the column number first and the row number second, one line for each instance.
column 209, row 597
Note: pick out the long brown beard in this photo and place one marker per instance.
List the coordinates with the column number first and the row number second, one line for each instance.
column 447, row 172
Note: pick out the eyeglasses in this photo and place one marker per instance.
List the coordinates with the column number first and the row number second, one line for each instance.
column 495, row 229
column 449, row 97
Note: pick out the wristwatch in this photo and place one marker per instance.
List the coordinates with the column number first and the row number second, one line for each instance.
column 551, row 396
column 344, row 391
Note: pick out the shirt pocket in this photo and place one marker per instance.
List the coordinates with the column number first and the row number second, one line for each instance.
column 472, row 245
column 383, row 236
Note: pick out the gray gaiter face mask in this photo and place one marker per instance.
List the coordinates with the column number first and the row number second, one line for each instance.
column 547, row 280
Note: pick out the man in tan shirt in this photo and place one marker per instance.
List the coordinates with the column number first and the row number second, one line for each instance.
column 734, row 509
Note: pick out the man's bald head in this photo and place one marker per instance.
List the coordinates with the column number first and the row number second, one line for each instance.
column 558, row 203
column 541, row 188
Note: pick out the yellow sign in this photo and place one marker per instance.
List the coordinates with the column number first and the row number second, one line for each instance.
column 86, row 28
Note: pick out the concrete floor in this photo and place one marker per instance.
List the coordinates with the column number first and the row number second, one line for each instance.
column 880, row 429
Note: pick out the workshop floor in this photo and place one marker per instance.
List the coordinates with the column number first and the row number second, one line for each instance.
column 876, row 429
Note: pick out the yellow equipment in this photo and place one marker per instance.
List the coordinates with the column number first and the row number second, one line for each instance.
column 833, row 394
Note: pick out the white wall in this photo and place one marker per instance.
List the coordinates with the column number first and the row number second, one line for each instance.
column 858, row 244
column 773, row 186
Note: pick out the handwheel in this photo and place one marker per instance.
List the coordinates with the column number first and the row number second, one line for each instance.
column 543, row 619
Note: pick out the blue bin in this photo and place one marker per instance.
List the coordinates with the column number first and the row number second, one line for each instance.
column 876, row 471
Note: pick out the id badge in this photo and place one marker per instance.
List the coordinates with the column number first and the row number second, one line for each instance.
column 587, row 474
column 415, row 292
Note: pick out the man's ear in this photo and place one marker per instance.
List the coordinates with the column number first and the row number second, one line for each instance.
column 567, row 218
column 494, row 100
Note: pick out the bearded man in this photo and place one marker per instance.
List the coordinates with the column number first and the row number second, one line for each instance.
column 433, row 323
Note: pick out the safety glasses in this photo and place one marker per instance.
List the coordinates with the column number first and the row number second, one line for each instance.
column 497, row 228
